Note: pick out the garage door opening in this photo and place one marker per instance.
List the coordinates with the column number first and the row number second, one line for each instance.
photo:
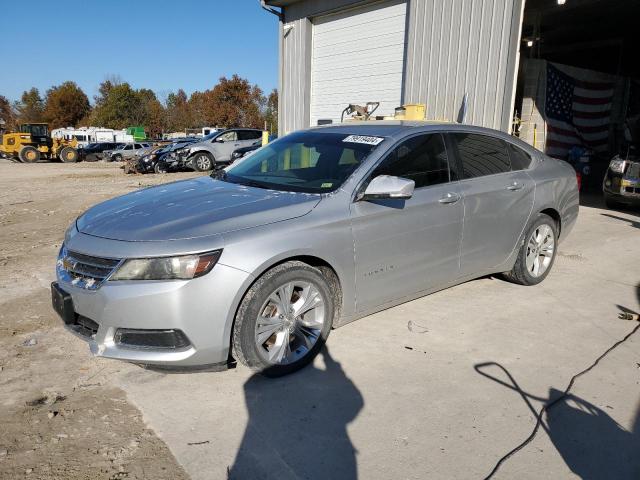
column 578, row 90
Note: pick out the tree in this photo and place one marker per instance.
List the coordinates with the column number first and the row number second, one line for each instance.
column 65, row 105
column 30, row 107
column 7, row 115
column 178, row 111
column 234, row 102
column 271, row 113
column 117, row 106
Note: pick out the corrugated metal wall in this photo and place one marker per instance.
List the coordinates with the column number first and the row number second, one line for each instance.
column 458, row 46
column 452, row 47
column 293, row 111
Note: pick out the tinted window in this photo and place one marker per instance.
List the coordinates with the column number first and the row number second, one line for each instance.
column 520, row 160
column 249, row 135
column 422, row 159
column 481, row 154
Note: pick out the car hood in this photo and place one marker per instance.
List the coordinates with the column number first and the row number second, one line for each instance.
column 190, row 209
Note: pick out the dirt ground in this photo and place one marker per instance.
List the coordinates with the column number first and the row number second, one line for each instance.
column 59, row 416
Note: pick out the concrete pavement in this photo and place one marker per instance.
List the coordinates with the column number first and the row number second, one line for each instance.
column 421, row 390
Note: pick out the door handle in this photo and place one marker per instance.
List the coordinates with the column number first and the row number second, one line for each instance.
column 450, row 197
column 515, row 186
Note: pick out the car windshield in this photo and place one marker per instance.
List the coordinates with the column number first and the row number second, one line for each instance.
column 310, row 162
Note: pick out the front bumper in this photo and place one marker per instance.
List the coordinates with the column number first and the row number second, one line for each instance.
column 202, row 308
column 621, row 189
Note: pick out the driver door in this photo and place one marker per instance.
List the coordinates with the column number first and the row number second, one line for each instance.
column 403, row 247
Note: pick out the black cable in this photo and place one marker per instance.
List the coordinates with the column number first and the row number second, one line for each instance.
column 549, row 405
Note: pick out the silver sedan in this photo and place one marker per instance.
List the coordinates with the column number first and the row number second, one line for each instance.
column 313, row 231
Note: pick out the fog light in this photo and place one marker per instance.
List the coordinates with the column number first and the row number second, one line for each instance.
column 160, row 339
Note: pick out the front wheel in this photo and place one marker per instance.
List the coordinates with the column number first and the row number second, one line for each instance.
column 284, row 319
column 160, row 168
column 203, row 161
column 537, row 254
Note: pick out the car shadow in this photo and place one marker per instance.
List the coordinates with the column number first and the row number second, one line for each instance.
column 297, row 426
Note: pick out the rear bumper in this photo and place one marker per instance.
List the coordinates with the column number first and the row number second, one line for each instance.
column 203, row 309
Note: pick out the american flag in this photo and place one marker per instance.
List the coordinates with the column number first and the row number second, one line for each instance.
column 577, row 111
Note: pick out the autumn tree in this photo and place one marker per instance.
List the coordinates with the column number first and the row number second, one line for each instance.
column 30, row 108
column 234, row 102
column 178, row 111
column 65, row 105
column 7, row 114
column 271, row 112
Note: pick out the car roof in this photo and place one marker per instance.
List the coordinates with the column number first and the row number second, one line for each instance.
column 401, row 128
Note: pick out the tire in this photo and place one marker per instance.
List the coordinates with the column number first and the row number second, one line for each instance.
column 160, row 168
column 611, row 203
column 69, row 155
column 114, row 158
column 29, row 154
column 203, row 161
column 524, row 270
column 301, row 338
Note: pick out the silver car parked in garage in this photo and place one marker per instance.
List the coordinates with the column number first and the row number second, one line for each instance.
column 310, row 232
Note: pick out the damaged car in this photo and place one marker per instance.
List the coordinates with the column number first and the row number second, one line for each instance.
column 259, row 261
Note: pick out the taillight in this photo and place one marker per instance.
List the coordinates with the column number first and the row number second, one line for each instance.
column 579, row 180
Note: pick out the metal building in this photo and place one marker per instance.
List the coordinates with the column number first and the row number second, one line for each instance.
column 336, row 52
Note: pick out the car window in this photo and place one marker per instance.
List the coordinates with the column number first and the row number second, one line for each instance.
column 249, row 135
column 128, row 147
column 481, row 154
column 311, row 162
column 230, row 136
column 422, row 159
column 520, row 160
column 138, row 146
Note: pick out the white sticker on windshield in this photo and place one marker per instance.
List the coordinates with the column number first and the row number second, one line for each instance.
column 363, row 139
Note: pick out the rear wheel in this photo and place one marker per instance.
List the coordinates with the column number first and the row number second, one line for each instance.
column 29, row 154
column 284, row 319
column 69, row 155
column 203, row 161
column 115, row 158
column 537, row 254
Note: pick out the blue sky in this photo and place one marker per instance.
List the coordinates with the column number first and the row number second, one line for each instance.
column 162, row 45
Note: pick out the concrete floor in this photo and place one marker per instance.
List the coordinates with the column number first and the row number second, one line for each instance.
column 421, row 390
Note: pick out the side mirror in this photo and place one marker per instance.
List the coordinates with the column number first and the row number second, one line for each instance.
column 219, row 140
column 386, row 186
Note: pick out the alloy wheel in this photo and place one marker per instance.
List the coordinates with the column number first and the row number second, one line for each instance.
column 203, row 162
column 290, row 322
column 540, row 250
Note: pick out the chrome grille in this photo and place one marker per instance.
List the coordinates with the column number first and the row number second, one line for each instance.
column 84, row 271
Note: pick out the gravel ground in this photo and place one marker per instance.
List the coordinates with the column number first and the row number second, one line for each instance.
column 60, row 416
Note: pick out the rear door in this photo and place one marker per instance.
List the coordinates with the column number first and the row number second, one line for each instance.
column 497, row 201
column 248, row 138
column 407, row 246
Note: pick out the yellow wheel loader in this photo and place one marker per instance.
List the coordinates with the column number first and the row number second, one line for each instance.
column 33, row 142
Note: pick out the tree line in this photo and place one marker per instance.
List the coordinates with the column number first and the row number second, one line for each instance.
column 233, row 102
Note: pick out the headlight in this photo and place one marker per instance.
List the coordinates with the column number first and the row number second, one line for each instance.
column 167, row 268
column 617, row 166
column 235, row 155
